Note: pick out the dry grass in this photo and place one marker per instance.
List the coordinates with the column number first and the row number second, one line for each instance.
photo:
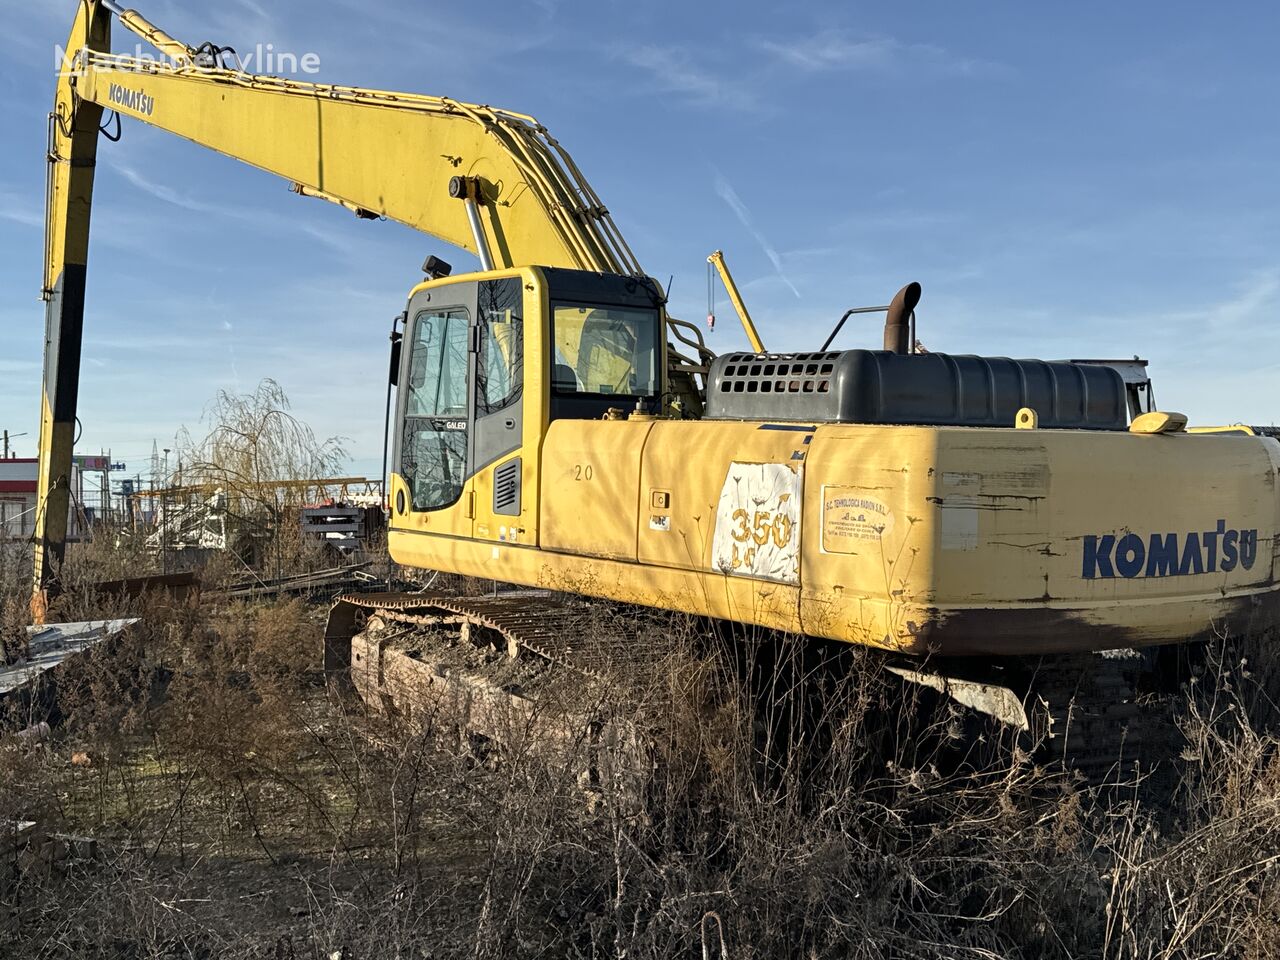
column 244, row 808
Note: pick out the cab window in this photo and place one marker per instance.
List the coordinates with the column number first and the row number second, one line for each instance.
column 499, row 379
column 438, row 365
column 602, row 350
column 433, row 446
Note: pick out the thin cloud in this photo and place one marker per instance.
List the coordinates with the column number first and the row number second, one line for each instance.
column 730, row 196
column 19, row 366
column 242, row 24
column 672, row 71
column 19, row 211
column 229, row 328
column 1248, row 308
column 256, row 9
column 1243, row 312
column 243, row 214
column 832, row 50
column 447, row 46
column 1257, row 292
column 166, row 194
column 1218, row 366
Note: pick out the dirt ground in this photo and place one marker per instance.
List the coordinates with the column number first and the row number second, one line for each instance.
column 241, row 806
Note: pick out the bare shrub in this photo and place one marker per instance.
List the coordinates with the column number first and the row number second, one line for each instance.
column 733, row 795
column 106, row 554
column 14, row 616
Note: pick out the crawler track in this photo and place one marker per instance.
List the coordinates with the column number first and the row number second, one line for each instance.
column 1090, row 713
column 528, row 669
column 556, row 629
column 501, row 658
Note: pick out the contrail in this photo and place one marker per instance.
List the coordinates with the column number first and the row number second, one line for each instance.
column 231, row 347
column 730, row 196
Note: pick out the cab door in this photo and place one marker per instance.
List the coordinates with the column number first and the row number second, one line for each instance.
column 433, row 491
column 502, row 467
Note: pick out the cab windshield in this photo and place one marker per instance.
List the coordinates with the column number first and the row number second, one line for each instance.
column 604, row 350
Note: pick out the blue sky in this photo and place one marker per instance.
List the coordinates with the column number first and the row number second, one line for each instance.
column 1064, row 180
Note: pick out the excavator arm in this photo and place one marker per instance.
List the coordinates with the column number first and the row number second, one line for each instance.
column 489, row 181
column 72, row 154
column 411, row 158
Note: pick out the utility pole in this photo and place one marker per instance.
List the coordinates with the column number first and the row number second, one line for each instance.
column 7, row 437
column 164, row 516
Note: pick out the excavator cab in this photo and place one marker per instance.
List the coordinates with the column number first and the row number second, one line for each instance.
column 488, row 361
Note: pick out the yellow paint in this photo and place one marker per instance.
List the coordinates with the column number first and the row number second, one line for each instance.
column 535, row 393
column 690, row 459
column 375, row 152
column 153, row 35
column 1231, row 428
column 72, row 155
column 730, row 598
column 966, row 541
column 748, row 327
column 1159, row 421
column 985, row 522
column 591, row 484
column 389, row 153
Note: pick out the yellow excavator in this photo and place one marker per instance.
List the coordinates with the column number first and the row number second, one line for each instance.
column 555, row 428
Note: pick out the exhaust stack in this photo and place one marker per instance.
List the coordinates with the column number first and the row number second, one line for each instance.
column 897, row 322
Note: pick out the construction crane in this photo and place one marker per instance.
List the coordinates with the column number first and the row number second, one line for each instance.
column 749, row 328
column 547, row 434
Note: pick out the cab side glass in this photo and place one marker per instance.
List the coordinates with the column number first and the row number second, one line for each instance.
column 499, row 372
column 433, row 446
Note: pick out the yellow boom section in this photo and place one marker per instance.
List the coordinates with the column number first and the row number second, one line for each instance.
column 71, row 155
column 392, row 154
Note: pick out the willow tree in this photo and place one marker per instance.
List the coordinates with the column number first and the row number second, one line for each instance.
column 264, row 460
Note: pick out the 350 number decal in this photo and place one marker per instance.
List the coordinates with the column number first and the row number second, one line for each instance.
column 758, row 522
column 763, row 527
column 752, row 532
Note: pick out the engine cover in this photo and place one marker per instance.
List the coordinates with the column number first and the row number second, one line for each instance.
column 937, row 389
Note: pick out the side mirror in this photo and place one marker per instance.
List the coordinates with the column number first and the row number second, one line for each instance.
column 394, row 375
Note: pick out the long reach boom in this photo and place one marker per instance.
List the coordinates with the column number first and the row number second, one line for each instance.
column 489, row 181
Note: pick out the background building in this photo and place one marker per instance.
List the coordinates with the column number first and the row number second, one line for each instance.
column 19, row 498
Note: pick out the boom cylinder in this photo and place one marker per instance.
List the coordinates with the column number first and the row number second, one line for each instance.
column 467, row 189
column 149, row 32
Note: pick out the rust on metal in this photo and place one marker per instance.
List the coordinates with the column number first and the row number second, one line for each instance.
column 178, row 585
column 897, row 321
column 537, row 621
